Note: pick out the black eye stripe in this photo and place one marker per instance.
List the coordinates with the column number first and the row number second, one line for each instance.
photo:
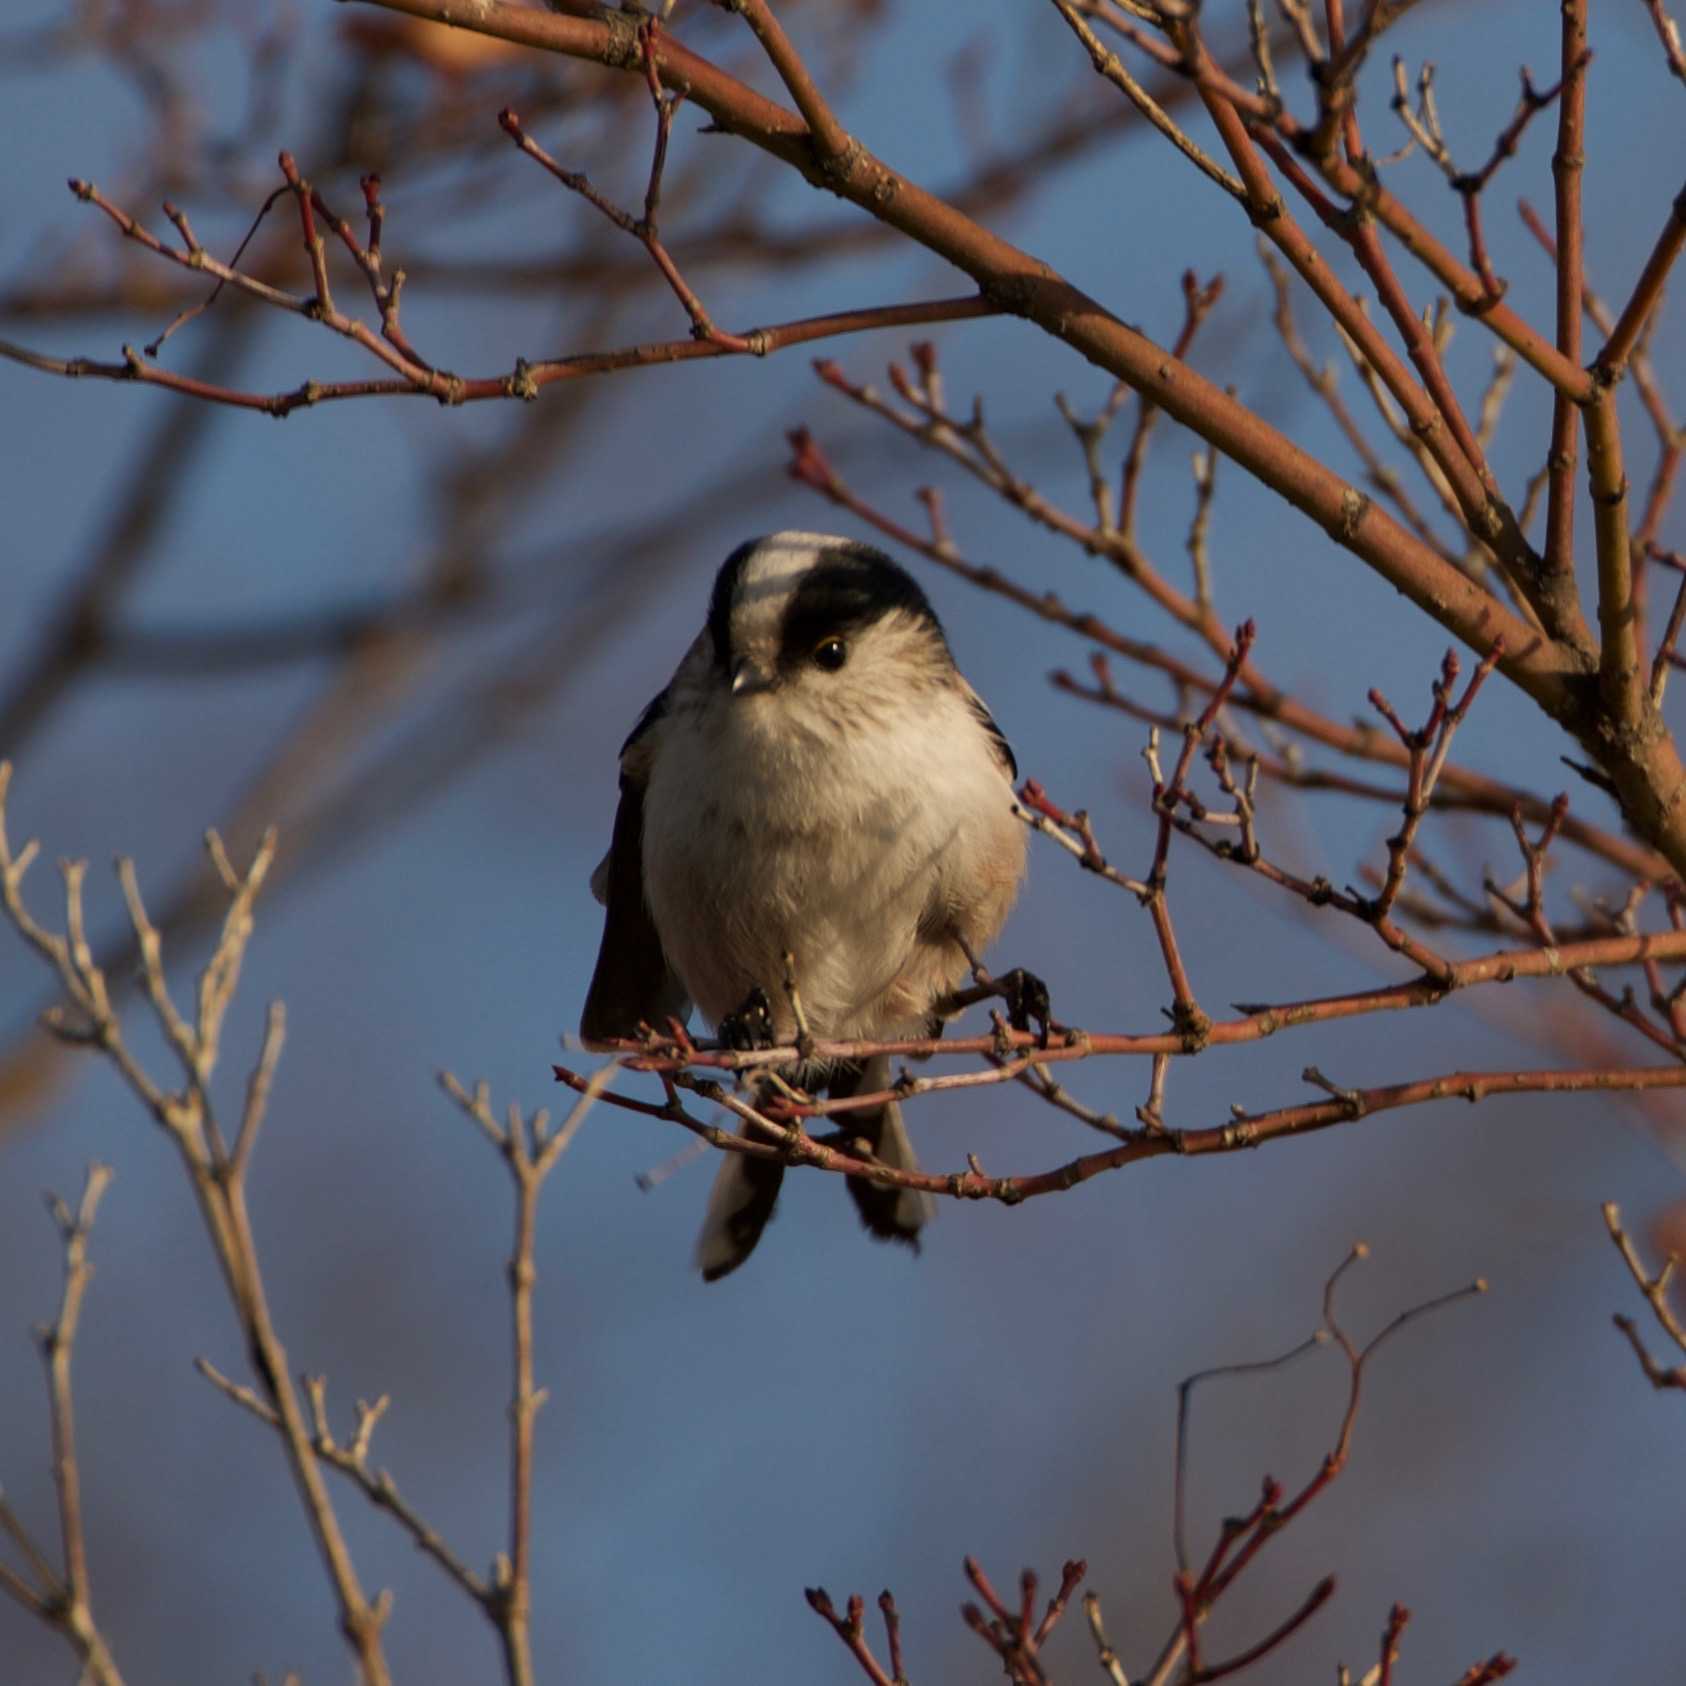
column 851, row 588
column 720, row 602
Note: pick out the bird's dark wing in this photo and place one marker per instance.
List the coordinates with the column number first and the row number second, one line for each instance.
column 632, row 982
column 998, row 738
column 654, row 710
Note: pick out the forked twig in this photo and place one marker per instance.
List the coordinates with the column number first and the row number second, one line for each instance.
column 62, row 1598
column 1656, row 1291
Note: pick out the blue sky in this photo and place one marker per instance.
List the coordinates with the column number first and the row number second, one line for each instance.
column 836, row 1413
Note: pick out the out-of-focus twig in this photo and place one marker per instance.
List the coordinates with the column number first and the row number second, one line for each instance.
column 1655, row 1289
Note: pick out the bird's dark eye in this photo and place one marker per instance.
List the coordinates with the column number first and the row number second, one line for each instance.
column 831, row 655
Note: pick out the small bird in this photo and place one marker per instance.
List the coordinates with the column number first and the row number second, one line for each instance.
column 817, row 799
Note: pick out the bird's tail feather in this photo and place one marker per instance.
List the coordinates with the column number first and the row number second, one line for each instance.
column 890, row 1214
column 746, row 1189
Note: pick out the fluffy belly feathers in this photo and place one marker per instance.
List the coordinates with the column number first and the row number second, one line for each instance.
column 859, row 894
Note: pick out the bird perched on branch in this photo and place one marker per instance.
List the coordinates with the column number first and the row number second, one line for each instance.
column 818, row 808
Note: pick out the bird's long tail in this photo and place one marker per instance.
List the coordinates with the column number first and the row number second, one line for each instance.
column 890, row 1214
column 740, row 1205
column 746, row 1187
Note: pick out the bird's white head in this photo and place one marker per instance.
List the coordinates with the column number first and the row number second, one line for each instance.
column 813, row 627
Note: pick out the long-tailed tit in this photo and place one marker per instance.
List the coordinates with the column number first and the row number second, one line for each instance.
column 819, row 782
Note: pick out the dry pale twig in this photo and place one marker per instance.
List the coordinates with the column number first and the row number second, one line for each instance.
column 1655, row 1289
column 530, row 1148
column 188, row 1117
column 1109, row 65
column 63, row 1598
column 1668, row 33
column 350, row 1458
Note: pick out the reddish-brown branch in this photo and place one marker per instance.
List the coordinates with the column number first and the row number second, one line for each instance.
column 527, row 379
column 1356, row 186
column 1530, row 102
column 1478, row 257
column 1424, row 127
column 1603, row 318
column 1245, row 1130
column 1621, row 677
column 1665, row 650
column 385, row 293
column 968, row 443
column 1496, row 1667
column 1274, row 1516
column 1644, row 769
column 1278, row 1636
column 1669, row 1003
column 1459, row 789
column 830, row 140
column 1431, row 409
column 1257, row 694
column 1188, row 1608
column 1029, row 288
column 1256, row 1022
column 1397, row 1617
column 1427, row 747
column 1436, row 418
column 315, row 249
column 892, row 1635
column 1233, row 1528
column 1197, row 305
column 370, row 185
column 851, row 1630
column 1108, row 64
column 1566, row 166
column 1075, row 833
column 1640, row 770
column 645, row 229
column 1071, row 1577
column 319, row 307
column 1611, row 362
column 1337, row 94
column 1241, row 1538
column 1186, row 1014
column 195, row 254
column 1671, row 440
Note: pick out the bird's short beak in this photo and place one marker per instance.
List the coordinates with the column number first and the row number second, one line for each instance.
column 748, row 677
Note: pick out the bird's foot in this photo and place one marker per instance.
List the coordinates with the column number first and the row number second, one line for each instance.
column 751, row 1026
column 1027, row 998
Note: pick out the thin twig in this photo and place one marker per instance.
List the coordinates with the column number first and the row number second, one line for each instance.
column 63, row 1599
column 1655, row 1289
column 219, row 1184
